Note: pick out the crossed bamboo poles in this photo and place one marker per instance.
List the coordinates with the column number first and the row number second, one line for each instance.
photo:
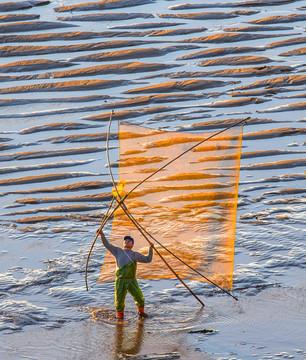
column 120, row 203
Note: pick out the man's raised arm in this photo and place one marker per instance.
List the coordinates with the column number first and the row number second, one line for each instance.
column 109, row 247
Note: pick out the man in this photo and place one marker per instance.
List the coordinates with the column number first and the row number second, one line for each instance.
column 126, row 261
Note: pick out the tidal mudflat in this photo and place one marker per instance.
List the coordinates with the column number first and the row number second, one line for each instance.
column 170, row 65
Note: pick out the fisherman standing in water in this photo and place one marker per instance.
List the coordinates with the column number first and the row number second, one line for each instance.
column 126, row 260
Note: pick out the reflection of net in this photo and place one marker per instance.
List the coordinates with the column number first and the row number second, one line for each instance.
column 190, row 206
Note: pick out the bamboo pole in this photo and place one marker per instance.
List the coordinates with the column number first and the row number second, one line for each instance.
column 183, row 153
column 181, row 260
column 171, row 161
column 104, row 220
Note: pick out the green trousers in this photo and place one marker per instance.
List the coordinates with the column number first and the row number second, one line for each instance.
column 126, row 282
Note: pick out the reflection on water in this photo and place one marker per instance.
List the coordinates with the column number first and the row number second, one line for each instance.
column 128, row 334
column 128, row 339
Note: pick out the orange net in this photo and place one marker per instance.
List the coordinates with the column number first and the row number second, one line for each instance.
column 189, row 207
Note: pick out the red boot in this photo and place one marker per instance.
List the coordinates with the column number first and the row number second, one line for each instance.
column 120, row 314
column 141, row 312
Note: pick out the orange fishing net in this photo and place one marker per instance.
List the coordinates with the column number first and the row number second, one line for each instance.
column 189, row 207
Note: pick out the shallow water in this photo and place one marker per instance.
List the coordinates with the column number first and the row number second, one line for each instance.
column 47, row 225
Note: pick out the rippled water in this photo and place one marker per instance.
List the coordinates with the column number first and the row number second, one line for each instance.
column 162, row 64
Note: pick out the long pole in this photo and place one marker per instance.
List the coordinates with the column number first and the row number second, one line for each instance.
column 104, row 220
column 183, row 153
column 174, row 159
column 181, row 260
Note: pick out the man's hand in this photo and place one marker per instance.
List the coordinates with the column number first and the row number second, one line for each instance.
column 100, row 231
column 151, row 247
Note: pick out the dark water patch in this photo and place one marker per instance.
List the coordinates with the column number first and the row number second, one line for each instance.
column 181, row 116
column 32, row 65
column 122, row 114
column 287, row 107
column 147, row 25
column 286, row 201
column 71, row 296
column 291, row 80
column 18, row 17
column 292, row 96
column 236, row 60
column 259, row 28
column 280, row 19
column 55, row 126
column 46, row 178
column 287, row 42
column 22, row 5
column 231, row 4
column 11, row 169
column 175, row 32
column 54, row 218
column 81, row 186
column 234, row 103
column 230, row 37
column 50, row 153
column 131, row 54
column 262, row 153
column 105, row 17
column 2, row 139
column 20, row 313
column 130, row 114
column 266, row 134
column 284, row 213
column 257, row 187
column 240, row 72
column 81, row 138
column 17, row 78
column 83, row 198
column 174, row 86
column 32, row 26
column 57, row 209
column 78, row 85
column 255, row 154
column 201, row 16
column 8, row 282
column 153, row 99
column 294, row 52
column 10, row 146
column 68, row 36
column 265, row 92
column 219, row 52
column 60, row 230
column 54, row 112
column 79, row 99
column 220, row 124
column 120, row 68
column 25, row 50
column 101, row 5
column 284, row 164
column 210, row 15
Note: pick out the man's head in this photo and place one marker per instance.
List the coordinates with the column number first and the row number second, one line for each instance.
column 128, row 242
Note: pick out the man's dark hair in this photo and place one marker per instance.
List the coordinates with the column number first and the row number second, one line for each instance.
column 128, row 237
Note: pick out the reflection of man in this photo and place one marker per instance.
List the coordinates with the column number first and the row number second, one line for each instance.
column 128, row 341
column 126, row 260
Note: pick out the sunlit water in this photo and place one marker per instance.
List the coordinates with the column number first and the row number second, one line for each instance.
column 52, row 139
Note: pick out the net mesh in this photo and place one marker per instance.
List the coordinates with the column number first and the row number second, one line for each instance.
column 189, row 207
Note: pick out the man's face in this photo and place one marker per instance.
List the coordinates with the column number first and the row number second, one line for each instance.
column 127, row 244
